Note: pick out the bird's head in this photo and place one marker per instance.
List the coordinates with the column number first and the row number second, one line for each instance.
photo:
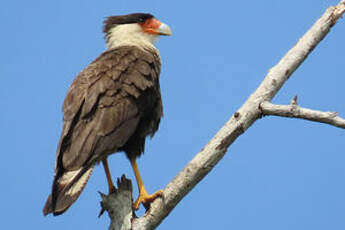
column 133, row 29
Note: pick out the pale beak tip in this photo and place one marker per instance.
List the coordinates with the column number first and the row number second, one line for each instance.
column 164, row 29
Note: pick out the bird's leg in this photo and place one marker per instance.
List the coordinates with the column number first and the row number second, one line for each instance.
column 107, row 173
column 143, row 197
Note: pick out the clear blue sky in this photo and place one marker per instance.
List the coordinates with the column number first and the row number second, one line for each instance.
column 281, row 174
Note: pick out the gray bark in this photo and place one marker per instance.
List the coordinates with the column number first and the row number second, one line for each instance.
column 295, row 111
column 119, row 205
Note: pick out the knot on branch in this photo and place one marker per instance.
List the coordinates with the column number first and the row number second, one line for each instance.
column 338, row 12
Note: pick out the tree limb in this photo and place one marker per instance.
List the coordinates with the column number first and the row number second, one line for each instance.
column 119, row 205
column 294, row 111
column 250, row 111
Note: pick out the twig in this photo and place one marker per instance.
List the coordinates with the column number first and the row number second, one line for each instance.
column 294, row 111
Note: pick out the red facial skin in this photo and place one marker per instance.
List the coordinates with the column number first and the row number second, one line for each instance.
column 151, row 26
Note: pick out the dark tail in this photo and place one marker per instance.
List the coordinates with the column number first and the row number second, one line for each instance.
column 66, row 190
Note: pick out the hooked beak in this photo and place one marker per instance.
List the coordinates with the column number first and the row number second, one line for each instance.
column 164, row 29
column 153, row 26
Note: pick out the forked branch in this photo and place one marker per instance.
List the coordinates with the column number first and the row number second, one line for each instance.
column 250, row 111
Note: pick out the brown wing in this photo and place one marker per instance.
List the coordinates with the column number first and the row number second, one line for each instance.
column 102, row 110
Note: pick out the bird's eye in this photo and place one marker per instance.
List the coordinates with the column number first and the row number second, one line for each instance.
column 141, row 20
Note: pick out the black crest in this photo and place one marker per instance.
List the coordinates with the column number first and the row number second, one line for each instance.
column 112, row 21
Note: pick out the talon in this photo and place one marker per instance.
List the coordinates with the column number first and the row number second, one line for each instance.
column 146, row 199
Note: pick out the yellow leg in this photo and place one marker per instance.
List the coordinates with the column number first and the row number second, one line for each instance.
column 143, row 197
column 107, row 173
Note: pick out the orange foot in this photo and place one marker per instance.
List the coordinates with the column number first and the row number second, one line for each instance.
column 146, row 199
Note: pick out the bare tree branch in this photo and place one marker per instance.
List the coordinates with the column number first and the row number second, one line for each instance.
column 294, row 111
column 119, row 205
column 250, row 111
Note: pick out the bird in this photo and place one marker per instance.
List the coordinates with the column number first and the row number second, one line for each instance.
column 111, row 106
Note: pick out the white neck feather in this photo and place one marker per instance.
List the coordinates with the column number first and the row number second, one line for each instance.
column 130, row 34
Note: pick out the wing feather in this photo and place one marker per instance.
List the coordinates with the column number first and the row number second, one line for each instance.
column 101, row 113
